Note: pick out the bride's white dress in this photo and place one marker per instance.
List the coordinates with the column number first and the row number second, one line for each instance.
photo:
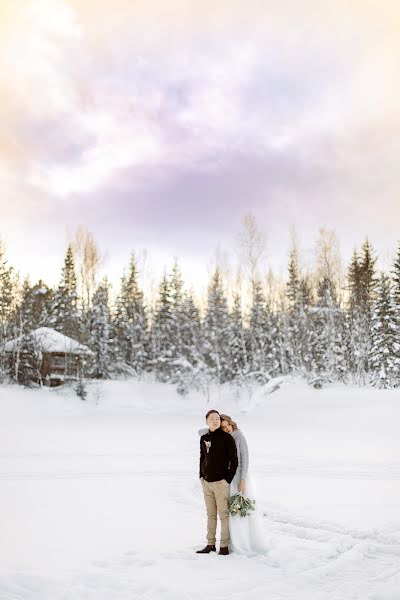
column 246, row 532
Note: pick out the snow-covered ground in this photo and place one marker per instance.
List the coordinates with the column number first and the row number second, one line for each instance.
column 100, row 499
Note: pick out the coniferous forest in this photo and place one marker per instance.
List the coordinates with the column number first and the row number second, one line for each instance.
column 319, row 325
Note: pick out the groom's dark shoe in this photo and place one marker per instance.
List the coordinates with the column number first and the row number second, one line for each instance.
column 224, row 551
column 209, row 548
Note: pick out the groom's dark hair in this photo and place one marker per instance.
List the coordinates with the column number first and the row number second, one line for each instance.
column 210, row 412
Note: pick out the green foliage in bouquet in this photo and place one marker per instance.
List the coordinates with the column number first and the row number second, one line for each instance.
column 240, row 505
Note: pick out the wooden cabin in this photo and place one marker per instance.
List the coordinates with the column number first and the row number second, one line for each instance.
column 58, row 358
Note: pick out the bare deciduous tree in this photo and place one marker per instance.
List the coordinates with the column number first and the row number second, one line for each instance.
column 252, row 246
column 328, row 261
column 87, row 260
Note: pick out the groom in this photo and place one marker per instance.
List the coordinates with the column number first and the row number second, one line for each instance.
column 218, row 464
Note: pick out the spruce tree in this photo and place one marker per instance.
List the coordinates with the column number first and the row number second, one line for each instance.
column 26, row 361
column 326, row 322
column 8, row 299
column 35, row 308
column 396, row 279
column 101, row 332
column 367, row 301
column 383, row 359
column 176, row 288
column 65, row 316
column 355, row 321
column 216, row 330
column 293, row 284
column 130, row 323
column 368, row 277
column 358, row 320
column 259, row 335
column 163, row 350
column 191, row 328
column 396, row 297
column 238, row 361
column 189, row 370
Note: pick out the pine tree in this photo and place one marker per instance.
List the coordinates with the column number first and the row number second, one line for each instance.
column 355, row 321
column 238, row 362
column 8, row 301
column 326, row 322
column 65, row 316
column 35, row 308
column 396, row 279
column 295, row 329
column 176, row 287
column 368, row 297
column 358, row 319
column 368, row 277
column 216, row 330
column 396, row 296
column 261, row 331
column 191, row 328
column 355, row 282
column 130, row 324
column 293, row 284
column 163, row 351
column 101, row 332
column 190, row 369
column 302, row 326
column 26, row 360
column 384, row 360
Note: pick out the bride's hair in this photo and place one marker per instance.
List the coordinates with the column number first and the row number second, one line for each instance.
column 230, row 421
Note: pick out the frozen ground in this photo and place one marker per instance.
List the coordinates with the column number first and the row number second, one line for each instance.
column 100, row 500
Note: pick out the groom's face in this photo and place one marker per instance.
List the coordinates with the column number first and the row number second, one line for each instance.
column 213, row 421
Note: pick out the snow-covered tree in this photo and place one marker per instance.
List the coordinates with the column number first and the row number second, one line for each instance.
column 8, row 299
column 101, row 332
column 216, row 330
column 130, row 323
column 385, row 344
column 26, row 360
column 35, row 307
column 295, row 321
column 176, row 287
column 262, row 335
column 361, row 285
column 293, row 284
column 396, row 287
column 326, row 343
column 65, row 316
column 189, row 368
column 238, row 360
column 162, row 348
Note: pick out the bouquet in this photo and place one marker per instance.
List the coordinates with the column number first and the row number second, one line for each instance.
column 240, row 505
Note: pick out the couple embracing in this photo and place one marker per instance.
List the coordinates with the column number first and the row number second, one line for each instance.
column 224, row 463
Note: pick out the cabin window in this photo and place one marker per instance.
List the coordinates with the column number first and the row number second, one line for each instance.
column 59, row 361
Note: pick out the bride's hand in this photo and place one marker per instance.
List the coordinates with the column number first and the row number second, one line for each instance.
column 242, row 486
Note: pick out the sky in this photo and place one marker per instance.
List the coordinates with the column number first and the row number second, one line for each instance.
column 159, row 125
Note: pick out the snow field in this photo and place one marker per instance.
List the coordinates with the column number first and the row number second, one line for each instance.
column 101, row 500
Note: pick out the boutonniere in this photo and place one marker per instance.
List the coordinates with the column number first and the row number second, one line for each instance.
column 208, row 445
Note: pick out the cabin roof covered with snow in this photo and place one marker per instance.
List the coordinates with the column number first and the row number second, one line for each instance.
column 49, row 340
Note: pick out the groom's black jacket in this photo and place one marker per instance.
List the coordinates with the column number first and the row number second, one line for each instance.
column 221, row 461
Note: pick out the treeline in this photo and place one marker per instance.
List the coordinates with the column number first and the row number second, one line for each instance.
column 319, row 327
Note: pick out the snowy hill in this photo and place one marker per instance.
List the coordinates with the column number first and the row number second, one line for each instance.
column 100, row 499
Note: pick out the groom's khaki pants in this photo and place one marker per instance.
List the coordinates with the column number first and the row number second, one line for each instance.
column 216, row 494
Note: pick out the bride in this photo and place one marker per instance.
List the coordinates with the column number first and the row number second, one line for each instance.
column 245, row 532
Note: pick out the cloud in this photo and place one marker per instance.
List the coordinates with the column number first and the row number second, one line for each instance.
column 165, row 122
